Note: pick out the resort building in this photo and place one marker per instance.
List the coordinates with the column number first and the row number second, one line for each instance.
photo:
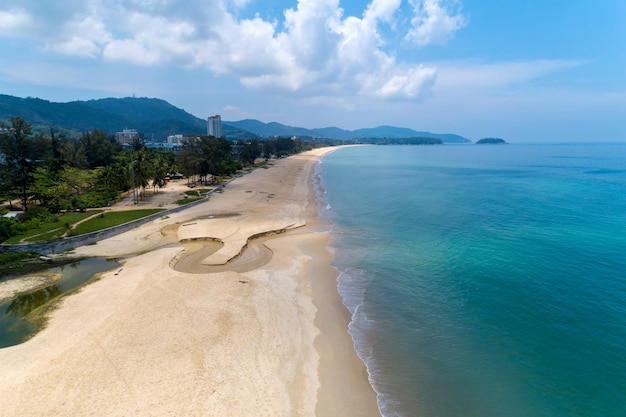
column 176, row 139
column 126, row 136
column 214, row 126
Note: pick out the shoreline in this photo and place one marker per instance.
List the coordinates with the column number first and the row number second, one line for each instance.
column 270, row 340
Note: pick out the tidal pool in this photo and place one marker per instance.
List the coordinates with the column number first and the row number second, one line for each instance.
column 15, row 327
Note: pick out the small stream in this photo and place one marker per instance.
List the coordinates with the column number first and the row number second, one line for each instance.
column 15, row 328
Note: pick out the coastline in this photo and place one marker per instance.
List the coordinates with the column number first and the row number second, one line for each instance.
column 265, row 336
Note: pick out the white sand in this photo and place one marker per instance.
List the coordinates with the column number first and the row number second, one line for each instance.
column 264, row 337
column 12, row 287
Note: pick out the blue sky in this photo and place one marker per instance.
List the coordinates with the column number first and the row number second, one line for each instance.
column 531, row 70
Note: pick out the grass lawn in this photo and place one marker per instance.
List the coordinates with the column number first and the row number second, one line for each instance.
column 198, row 193
column 263, row 164
column 112, row 219
column 188, row 200
column 45, row 237
column 53, row 229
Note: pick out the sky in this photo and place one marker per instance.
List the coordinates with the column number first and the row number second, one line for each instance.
column 525, row 71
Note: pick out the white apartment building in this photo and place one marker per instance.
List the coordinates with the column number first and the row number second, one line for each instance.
column 214, row 126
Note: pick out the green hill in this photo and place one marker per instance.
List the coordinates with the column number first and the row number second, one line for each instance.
column 157, row 119
column 491, row 141
column 150, row 116
column 388, row 132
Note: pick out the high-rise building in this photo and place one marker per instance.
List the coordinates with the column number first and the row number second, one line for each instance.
column 214, row 126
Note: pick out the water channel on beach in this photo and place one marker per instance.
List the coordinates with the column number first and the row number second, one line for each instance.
column 14, row 324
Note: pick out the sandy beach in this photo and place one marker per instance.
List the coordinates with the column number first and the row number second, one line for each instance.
column 202, row 321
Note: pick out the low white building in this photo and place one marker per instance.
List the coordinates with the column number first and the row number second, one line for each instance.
column 126, row 136
column 175, row 139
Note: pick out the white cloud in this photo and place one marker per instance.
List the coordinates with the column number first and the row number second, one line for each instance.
column 83, row 37
column 409, row 84
column 154, row 41
column 13, row 21
column 433, row 22
column 234, row 113
column 470, row 75
column 382, row 10
column 313, row 50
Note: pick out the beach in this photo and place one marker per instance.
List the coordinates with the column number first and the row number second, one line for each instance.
column 200, row 320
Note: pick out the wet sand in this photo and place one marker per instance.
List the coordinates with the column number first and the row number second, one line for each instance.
column 10, row 288
column 256, row 328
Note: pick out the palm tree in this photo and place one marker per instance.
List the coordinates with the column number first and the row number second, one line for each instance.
column 106, row 175
column 141, row 166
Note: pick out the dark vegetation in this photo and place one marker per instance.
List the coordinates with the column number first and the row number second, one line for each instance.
column 386, row 133
column 14, row 261
column 491, row 141
column 150, row 116
column 50, row 178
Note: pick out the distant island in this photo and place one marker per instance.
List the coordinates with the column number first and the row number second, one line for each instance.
column 491, row 141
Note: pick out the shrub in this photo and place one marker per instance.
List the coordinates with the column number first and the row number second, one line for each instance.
column 7, row 228
column 34, row 212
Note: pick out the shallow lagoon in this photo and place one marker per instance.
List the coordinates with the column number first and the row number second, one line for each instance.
column 15, row 327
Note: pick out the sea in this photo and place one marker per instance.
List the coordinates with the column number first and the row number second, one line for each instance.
column 484, row 280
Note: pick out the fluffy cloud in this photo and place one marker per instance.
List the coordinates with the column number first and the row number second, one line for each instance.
column 83, row 37
column 412, row 83
column 312, row 50
column 12, row 20
column 433, row 22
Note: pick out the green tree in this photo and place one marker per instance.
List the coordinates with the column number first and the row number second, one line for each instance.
column 56, row 161
column 106, row 176
column 207, row 155
column 189, row 159
column 21, row 154
column 100, row 149
column 142, row 169
column 6, row 228
column 49, row 190
column 249, row 151
column 160, row 163
column 74, row 154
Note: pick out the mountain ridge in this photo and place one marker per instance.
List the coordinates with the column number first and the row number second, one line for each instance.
column 384, row 131
column 157, row 118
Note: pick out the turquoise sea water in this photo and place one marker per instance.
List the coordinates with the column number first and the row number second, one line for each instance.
column 484, row 280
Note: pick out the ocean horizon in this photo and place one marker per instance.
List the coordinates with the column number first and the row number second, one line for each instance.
column 484, row 280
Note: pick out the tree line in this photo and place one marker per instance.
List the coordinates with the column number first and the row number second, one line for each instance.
column 43, row 174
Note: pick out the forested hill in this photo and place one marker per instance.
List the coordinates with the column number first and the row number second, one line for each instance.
column 380, row 132
column 158, row 118
column 147, row 115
